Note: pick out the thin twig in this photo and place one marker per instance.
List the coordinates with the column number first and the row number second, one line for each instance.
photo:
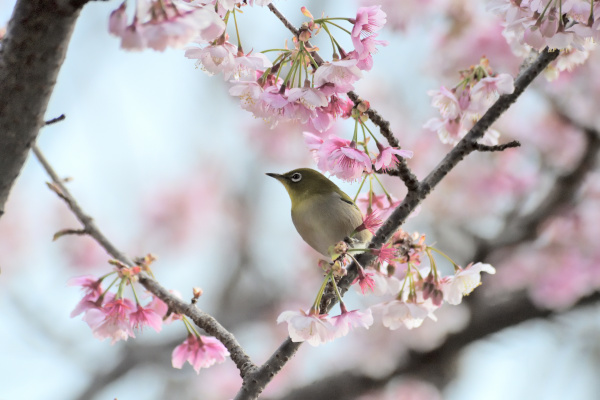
column 200, row 318
column 61, row 117
column 498, row 147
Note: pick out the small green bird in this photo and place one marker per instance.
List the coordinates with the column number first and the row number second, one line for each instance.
column 322, row 214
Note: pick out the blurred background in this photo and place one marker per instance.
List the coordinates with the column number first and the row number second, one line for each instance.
column 167, row 162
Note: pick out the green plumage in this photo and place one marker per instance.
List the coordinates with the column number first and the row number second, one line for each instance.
column 322, row 213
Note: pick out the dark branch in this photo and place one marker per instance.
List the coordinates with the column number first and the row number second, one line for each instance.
column 498, row 147
column 55, row 120
column 200, row 318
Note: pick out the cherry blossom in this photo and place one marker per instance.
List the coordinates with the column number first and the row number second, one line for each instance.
column 364, row 280
column 387, row 157
column 371, row 222
column 385, row 284
column 200, row 352
column 92, row 289
column 340, row 73
column 384, row 254
column 159, row 24
column 446, row 101
column 368, row 21
column 215, row 58
column 383, row 204
column 464, row 282
column 343, row 159
column 398, row 313
column 145, row 316
column 112, row 320
column 351, row 319
column 312, row 328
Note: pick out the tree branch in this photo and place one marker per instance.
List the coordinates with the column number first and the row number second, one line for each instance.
column 498, row 147
column 200, row 318
column 31, row 55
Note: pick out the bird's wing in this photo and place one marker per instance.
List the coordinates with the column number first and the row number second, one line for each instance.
column 346, row 199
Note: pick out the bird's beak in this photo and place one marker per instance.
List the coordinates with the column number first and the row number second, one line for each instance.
column 276, row 176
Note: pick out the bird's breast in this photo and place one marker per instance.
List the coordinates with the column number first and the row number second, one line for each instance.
column 324, row 220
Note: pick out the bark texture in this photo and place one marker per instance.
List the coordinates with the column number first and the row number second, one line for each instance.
column 31, row 55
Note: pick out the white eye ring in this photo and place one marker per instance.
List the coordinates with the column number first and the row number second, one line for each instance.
column 296, row 177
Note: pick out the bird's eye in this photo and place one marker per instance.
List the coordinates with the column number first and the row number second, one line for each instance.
column 296, row 177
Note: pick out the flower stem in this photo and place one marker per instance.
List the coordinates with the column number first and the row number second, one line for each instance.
column 456, row 266
column 360, row 188
column 316, row 305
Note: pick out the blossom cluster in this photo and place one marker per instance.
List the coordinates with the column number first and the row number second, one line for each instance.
column 158, row 24
column 295, row 88
column 463, row 105
column 416, row 295
column 555, row 24
column 112, row 315
column 345, row 160
column 572, row 26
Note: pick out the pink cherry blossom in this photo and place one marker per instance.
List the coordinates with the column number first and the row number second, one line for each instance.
column 246, row 65
column 132, row 38
column 384, row 254
column 309, row 97
column 117, row 20
column 351, row 319
column 250, row 93
column 340, row 73
column 215, row 58
column 341, row 158
column 313, row 142
column 378, row 202
column 92, row 289
column 145, row 316
column 464, row 282
column 398, row 313
column 485, row 92
column 388, row 157
column 445, row 101
column 338, row 107
column 200, row 352
column 112, row 320
column 449, row 131
column 159, row 25
column 371, row 222
column 364, row 280
column 385, row 284
column 312, row 328
column 365, row 55
column 368, row 21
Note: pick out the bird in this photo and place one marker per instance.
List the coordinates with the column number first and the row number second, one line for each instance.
column 321, row 212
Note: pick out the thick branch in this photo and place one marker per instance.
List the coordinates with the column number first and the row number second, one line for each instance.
column 200, row 318
column 32, row 53
column 256, row 382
